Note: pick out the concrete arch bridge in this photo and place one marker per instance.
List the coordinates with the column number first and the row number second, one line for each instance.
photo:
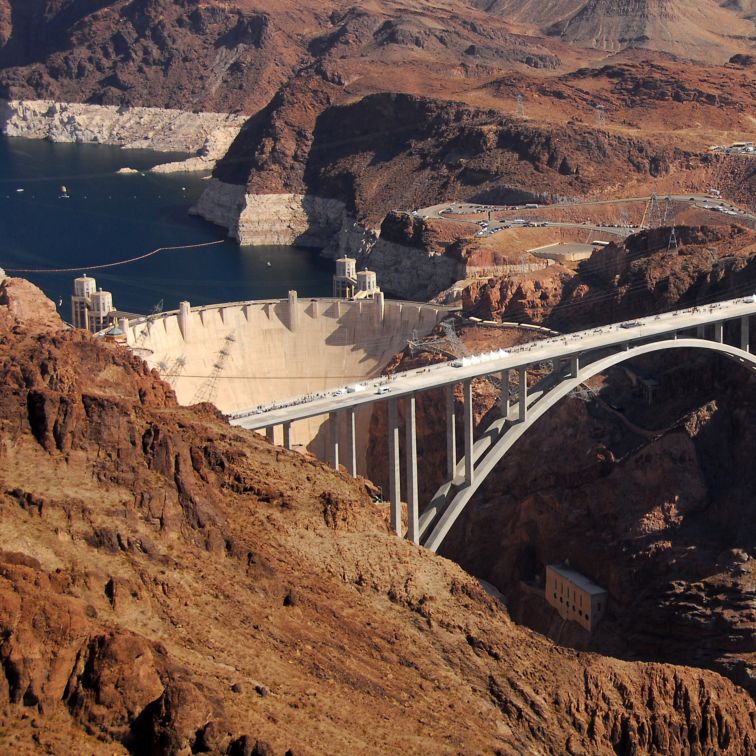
column 574, row 359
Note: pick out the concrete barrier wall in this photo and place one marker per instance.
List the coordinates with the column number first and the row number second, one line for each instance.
column 238, row 355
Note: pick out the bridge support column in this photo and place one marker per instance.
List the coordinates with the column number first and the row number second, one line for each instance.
column 413, row 506
column 701, row 332
column 469, row 469
column 523, row 394
column 719, row 333
column 504, row 398
column 394, row 484
column 270, row 433
column 745, row 339
column 451, row 433
column 334, row 433
column 574, row 365
column 287, row 436
column 351, row 461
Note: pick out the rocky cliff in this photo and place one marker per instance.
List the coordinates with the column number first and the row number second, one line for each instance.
column 170, row 584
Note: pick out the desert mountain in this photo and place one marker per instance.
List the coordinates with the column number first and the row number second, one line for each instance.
column 699, row 29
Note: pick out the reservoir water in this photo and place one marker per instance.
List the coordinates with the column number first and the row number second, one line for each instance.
column 109, row 217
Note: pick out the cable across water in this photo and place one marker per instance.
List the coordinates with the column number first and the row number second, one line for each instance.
column 102, row 266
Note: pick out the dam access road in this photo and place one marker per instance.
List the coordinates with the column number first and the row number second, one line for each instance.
column 448, row 210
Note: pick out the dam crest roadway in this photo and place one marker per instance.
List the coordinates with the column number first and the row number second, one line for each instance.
column 574, row 358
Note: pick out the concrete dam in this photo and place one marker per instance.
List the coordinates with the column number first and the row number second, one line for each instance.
column 242, row 354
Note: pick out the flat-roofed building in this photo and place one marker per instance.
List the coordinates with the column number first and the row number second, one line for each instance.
column 574, row 596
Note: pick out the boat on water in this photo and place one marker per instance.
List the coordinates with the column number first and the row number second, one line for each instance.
column 64, row 193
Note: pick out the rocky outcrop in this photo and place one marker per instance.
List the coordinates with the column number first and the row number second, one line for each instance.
column 206, row 134
column 638, row 277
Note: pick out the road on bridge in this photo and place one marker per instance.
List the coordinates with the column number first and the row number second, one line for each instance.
column 554, row 348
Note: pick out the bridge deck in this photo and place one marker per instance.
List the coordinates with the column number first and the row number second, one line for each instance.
column 558, row 347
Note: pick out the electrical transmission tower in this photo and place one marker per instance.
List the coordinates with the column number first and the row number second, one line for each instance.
column 652, row 214
column 673, row 244
column 456, row 346
column 667, row 214
column 520, row 111
column 206, row 392
column 174, row 370
column 145, row 332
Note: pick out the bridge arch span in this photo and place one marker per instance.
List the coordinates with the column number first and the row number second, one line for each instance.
column 434, row 536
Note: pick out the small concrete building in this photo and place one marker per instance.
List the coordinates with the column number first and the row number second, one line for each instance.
column 574, row 596
column 91, row 309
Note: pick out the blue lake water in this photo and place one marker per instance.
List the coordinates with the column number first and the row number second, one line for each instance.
column 112, row 217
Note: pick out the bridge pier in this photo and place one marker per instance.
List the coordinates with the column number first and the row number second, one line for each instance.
column 351, row 461
column 394, row 467
column 413, row 505
column 504, row 398
column 523, row 394
column 701, row 332
column 287, row 436
column 719, row 332
column 334, row 431
column 574, row 365
column 745, row 343
column 270, row 433
column 451, row 433
column 468, row 431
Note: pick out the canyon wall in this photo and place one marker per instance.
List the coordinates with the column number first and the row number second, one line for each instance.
column 207, row 135
column 405, row 269
column 291, row 219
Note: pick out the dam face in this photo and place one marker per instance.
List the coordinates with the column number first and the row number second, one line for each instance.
column 238, row 355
